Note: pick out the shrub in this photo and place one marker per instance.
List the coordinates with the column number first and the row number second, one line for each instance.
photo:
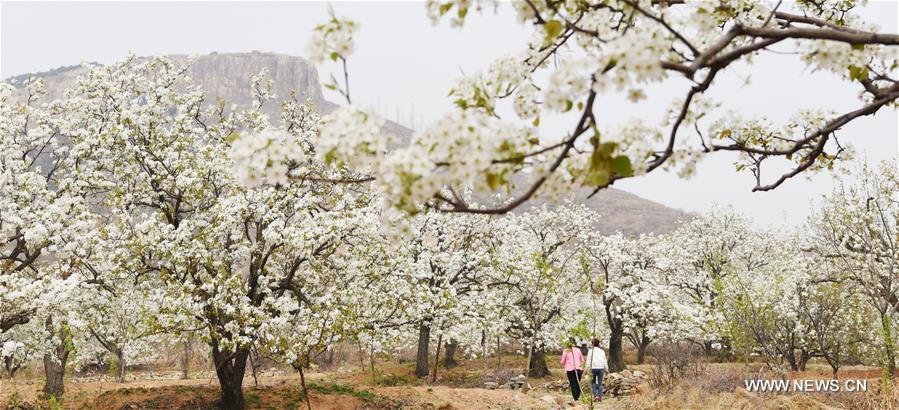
column 674, row 362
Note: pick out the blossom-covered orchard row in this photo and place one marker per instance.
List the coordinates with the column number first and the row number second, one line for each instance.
column 126, row 221
column 134, row 210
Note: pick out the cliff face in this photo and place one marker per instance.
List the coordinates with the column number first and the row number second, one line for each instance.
column 227, row 76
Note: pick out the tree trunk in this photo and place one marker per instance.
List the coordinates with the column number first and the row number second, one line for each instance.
column 305, row 390
column 421, row 358
column 707, row 349
column 185, row 360
column 371, row 363
column 834, row 362
column 527, row 370
column 120, row 366
column 54, row 375
column 437, row 358
column 616, row 354
column 791, row 359
column 641, row 349
column 10, row 365
column 537, row 364
column 484, row 353
column 889, row 346
column 499, row 354
column 616, row 329
column 55, row 363
column 254, row 363
column 449, row 359
column 804, row 357
column 230, row 369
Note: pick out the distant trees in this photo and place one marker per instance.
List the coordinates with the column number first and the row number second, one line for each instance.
column 855, row 232
column 539, row 266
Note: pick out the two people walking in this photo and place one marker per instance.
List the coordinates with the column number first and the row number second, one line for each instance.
column 572, row 358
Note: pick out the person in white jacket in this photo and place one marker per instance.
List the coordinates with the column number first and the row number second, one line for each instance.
column 596, row 362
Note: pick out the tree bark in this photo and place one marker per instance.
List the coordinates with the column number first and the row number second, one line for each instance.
column 185, row 360
column 616, row 329
column 10, row 365
column 537, row 364
column 120, row 366
column 421, row 358
column 527, row 370
column 254, row 364
column 889, row 346
column 707, row 349
column 791, row 359
column 449, row 359
column 437, row 358
column 641, row 349
column 55, row 363
column 484, row 353
column 499, row 354
column 804, row 357
column 834, row 362
column 230, row 368
column 305, row 390
column 616, row 353
column 54, row 377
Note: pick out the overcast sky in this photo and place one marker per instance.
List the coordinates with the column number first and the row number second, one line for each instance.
column 403, row 61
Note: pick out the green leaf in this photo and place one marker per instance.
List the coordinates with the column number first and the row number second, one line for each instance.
column 858, row 73
column 596, row 159
column 621, row 165
column 334, row 56
column 330, row 157
column 608, row 148
column 462, row 12
column 553, row 28
column 494, row 180
column 598, row 178
column 536, row 122
column 445, row 7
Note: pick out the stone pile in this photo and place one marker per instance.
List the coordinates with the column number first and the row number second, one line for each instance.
column 556, row 385
column 623, row 383
column 514, row 383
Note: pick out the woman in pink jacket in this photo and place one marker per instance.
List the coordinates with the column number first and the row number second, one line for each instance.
column 571, row 360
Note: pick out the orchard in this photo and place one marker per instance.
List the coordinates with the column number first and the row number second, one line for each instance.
column 137, row 213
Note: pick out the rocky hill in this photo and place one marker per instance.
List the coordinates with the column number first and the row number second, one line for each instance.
column 227, row 76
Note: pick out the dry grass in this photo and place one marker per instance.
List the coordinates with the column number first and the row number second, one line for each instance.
column 691, row 397
column 721, row 386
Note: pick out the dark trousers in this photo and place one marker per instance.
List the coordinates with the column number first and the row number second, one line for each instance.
column 574, row 379
column 597, row 382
